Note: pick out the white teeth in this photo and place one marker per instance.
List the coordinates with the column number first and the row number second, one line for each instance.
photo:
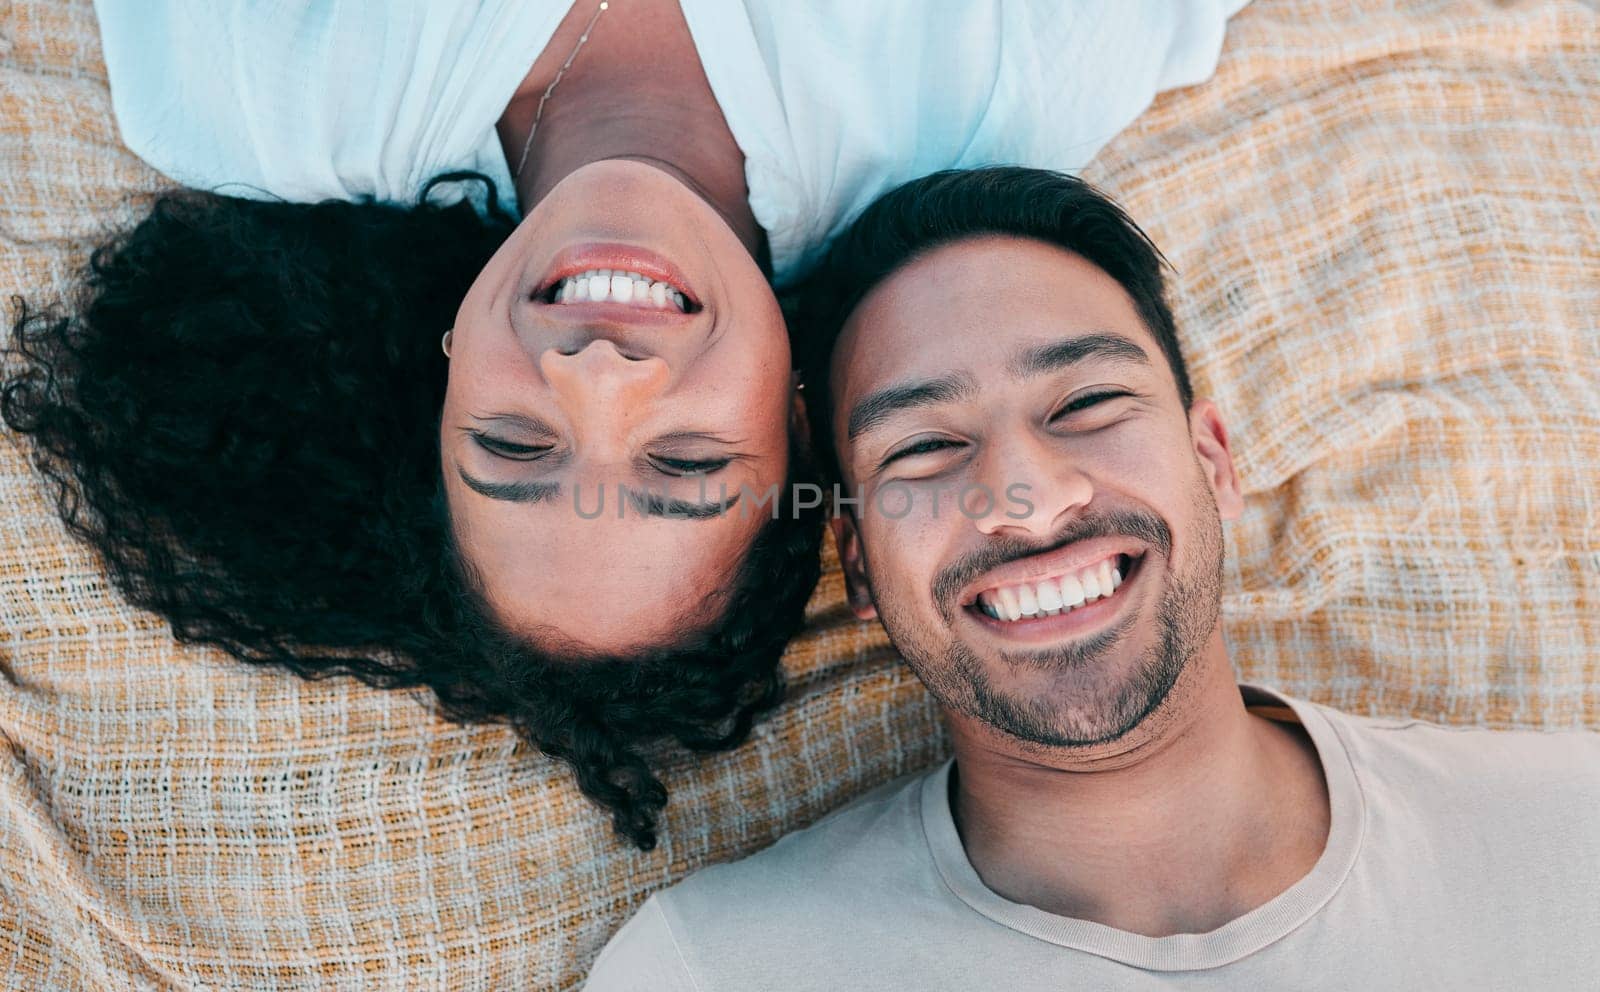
column 617, row 286
column 1008, row 604
column 1028, row 601
column 1071, row 591
column 1052, row 596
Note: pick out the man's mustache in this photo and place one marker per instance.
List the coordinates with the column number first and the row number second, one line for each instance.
column 1142, row 526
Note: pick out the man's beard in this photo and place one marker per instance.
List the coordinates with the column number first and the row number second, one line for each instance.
column 1085, row 703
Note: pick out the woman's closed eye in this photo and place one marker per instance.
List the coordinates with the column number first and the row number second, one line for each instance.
column 689, row 466
column 510, row 449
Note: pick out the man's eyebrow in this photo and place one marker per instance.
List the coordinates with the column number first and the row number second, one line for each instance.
column 1061, row 354
column 885, row 403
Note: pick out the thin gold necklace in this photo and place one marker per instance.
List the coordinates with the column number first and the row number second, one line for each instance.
column 539, row 112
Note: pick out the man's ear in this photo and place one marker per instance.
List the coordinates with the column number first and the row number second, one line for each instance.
column 857, row 588
column 1210, row 439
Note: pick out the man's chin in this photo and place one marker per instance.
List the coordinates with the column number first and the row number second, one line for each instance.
column 1078, row 698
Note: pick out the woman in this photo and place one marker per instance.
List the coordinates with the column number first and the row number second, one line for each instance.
column 541, row 466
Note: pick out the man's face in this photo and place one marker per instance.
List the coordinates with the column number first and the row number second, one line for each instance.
column 1040, row 519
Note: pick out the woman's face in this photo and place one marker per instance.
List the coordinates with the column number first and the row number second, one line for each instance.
column 586, row 446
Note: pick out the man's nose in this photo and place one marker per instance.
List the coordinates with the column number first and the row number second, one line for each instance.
column 598, row 380
column 1035, row 486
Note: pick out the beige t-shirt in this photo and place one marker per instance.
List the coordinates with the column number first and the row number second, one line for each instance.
column 1456, row 859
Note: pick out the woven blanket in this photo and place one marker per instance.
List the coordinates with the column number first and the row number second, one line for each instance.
column 1385, row 222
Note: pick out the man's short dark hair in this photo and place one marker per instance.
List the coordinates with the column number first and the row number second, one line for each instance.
column 956, row 205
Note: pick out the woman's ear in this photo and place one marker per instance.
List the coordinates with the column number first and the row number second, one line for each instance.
column 857, row 587
column 797, row 407
column 1210, row 440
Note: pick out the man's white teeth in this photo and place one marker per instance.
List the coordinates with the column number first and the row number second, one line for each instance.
column 616, row 286
column 1049, row 597
column 1028, row 600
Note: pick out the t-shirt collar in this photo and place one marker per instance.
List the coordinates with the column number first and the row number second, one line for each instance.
column 1181, row 952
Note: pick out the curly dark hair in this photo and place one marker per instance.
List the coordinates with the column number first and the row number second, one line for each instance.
column 240, row 413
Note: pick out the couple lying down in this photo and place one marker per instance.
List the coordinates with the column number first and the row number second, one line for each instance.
column 330, row 427
column 993, row 381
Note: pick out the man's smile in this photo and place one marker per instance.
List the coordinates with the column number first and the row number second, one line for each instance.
column 1064, row 602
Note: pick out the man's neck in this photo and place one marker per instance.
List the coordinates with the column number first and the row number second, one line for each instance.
column 1198, row 815
column 635, row 90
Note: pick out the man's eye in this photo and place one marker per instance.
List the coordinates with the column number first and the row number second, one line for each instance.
column 924, row 447
column 1084, row 402
column 689, row 466
column 510, row 449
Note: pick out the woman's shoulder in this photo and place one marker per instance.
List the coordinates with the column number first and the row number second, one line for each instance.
column 312, row 101
column 835, row 102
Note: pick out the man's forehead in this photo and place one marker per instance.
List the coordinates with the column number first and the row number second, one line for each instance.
column 976, row 300
column 878, row 377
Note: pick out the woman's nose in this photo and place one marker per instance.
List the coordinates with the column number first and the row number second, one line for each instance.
column 598, row 375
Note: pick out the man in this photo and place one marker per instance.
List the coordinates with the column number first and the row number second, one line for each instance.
column 1035, row 516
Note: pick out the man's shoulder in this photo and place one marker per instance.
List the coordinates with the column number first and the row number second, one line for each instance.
column 1567, row 752
column 1543, row 774
column 867, row 843
column 735, row 925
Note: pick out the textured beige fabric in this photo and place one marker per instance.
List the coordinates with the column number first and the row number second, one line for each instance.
column 1389, row 255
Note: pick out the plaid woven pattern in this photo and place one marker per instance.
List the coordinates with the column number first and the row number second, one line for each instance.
column 1386, row 228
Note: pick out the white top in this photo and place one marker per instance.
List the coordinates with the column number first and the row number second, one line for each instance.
column 832, row 101
column 1455, row 859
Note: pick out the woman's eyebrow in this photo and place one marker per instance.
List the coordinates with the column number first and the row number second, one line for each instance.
column 656, row 505
column 640, row 500
column 511, row 492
